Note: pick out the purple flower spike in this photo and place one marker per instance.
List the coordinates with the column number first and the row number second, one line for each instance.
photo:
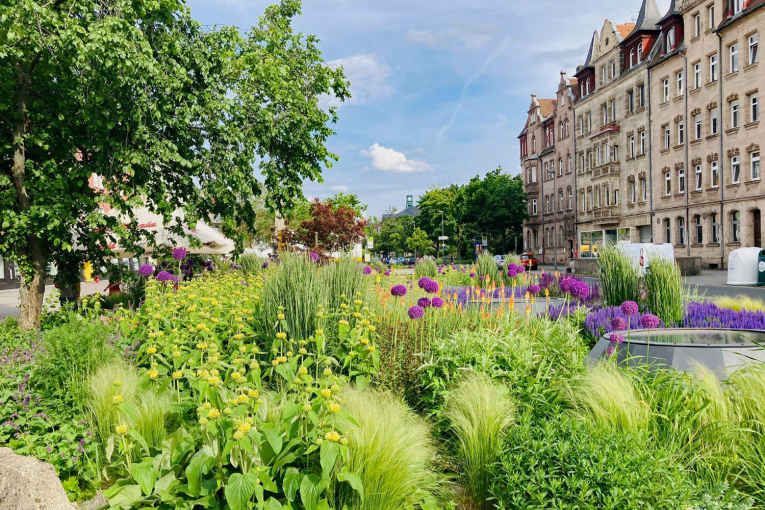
column 314, row 256
column 618, row 324
column 398, row 290
column 416, row 312
column 650, row 321
column 179, row 253
column 146, row 270
column 423, row 302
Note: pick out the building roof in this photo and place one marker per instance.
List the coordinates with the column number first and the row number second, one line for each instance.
column 413, row 211
column 547, row 107
column 674, row 10
column 588, row 60
column 648, row 19
column 625, row 30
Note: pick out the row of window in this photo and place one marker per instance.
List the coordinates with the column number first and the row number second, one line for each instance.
column 549, row 170
column 714, row 174
column 600, row 196
column 550, row 203
column 698, row 229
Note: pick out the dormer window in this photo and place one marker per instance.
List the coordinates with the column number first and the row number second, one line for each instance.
column 738, row 6
column 640, row 52
column 632, row 58
column 671, row 39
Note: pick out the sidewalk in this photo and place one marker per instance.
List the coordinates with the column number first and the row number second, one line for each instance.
column 9, row 299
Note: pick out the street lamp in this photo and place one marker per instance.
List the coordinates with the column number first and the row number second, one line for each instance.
column 443, row 249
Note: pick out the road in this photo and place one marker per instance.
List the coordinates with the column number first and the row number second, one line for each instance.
column 9, row 299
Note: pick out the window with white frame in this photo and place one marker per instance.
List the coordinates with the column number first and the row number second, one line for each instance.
column 715, row 174
column 613, row 110
column 597, row 156
column 735, row 114
column 754, row 108
column 567, row 126
column 667, row 231
column 699, row 229
column 642, row 142
column 715, row 228
column 667, row 183
column 534, row 206
column 735, row 170
column 699, row 178
column 632, row 58
column 616, row 197
column 711, row 16
column 671, row 39
column 754, row 41
column 755, row 166
column 632, row 146
column 680, row 133
column 696, row 25
column 613, row 69
column 616, row 154
column 681, row 181
column 680, row 84
column 735, row 223
column 713, row 68
column 570, row 199
column 533, row 174
column 733, row 58
column 547, row 203
column 667, row 138
column 666, row 89
column 641, row 95
column 644, row 189
column 604, row 114
column 560, row 200
column 640, row 53
column 681, row 231
column 569, row 165
column 697, row 127
column 697, row 75
column 713, row 121
column 738, row 6
column 607, row 195
column 633, row 192
column 560, row 167
column 631, row 101
column 603, row 75
column 606, row 152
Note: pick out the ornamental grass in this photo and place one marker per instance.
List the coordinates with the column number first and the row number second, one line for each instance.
column 664, row 289
column 619, row 277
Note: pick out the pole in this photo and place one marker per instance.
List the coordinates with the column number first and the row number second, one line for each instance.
column 443, row 251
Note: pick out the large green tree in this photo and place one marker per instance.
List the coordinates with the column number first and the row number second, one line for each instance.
column 168, row 113
column 432, row 204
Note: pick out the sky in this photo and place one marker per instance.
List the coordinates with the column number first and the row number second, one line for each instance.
column 441, row 89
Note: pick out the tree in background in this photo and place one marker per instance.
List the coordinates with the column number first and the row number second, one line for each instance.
column 335, row 228
column 349, row 200
column 419, row 243
column 431, row 204
column 168, row 113
column 393, row 236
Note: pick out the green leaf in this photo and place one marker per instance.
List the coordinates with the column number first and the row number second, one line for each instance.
column 273, row 504
column 144, row 475
column 138, row 437
column 109, row 448
column 311, row 487
column 353, row 480
column 291, row 483
column 128, row 497
column 328, row 455
column 165, row 483
column 201, row 464
column 273, row 436
column 268, row 484
column 239, row 490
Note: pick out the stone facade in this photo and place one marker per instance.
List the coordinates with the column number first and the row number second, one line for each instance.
column 547, row 160
column 705, row 102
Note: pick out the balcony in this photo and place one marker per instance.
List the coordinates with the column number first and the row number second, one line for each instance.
column 532, row 188
column 605, row 170
column 608, row 214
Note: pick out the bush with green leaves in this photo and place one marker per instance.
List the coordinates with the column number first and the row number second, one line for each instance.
column 566, row 464
column 251, row 263
column 665, row 289
column 425, row 267
column 619, row 277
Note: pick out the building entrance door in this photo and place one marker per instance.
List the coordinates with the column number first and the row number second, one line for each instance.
column 757, row 224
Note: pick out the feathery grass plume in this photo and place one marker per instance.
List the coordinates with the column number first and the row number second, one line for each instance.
column 342, row 278
column 251, row 263
column 608, row 398
column 295, row 285
column 391, row 450
column 512, row 258
column 664, row 289
column 746, row 388
column 619, row 277
column 151, row 416
column 425, row 267
column 739, row 303
column 486, row 266
column 107, row 382
column 479, row 411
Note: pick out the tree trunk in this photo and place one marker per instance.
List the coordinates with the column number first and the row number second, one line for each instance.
column 32, row 293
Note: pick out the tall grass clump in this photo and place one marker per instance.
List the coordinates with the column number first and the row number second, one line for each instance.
column 664, row 289
column 391, row 450
column 478, row 411
column 486, row 266
column 747, row 391
column 619, row 277
column 740, row 303
column 296, row 288
column 113, row 379
column 342, row 278
column 426, row 267
column 71, row 353
column 608, row 398
column 251, row 263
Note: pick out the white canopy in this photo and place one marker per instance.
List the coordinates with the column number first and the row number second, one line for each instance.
column 212, row 241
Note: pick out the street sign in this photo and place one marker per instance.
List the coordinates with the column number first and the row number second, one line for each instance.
column 370, row 243
column 443, row 238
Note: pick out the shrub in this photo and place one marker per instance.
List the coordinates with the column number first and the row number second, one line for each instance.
column 486, row 266
column 619, row 278
column 425, row 267
column 391, row 450
column 251, row 263
column 607, row 398
column 563, row 464
column 664, row 289
column 71, row 352
column 478, row 411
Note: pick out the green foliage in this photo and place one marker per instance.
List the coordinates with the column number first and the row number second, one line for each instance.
column 563, row 464
column 425, row 267
column 608, row 398
column 342, row 278
column 71, row 353
column 478, row 411
column 419, row 243
column 664, row 289
column 486, row 266
column 394, row 234
column 251, row 263
column 747, row 394
column 619, row 277
column 391, row 451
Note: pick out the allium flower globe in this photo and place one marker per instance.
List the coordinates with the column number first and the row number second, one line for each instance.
column 535, row 289
column 617, row 338
column 146, row 270
column 265, row 265
column 422, row 282
column 179, row 253
column 367, row 270
column 610, row 350
column 629, row 308
column 431, row 287
column 398, row 290
column 618, row 324
column 437, row 302
column 416, row 312
column 580, row 290
column 650, row 321
column 387, row 273
column 566, row 283
column 313, row 256
column 472, row 274
column 521, row 269
column 512, row 273
column 423, row 302
column 164, row 276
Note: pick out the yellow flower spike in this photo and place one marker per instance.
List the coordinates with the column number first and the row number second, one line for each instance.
column 121, row 429
column 151, row 350
column 371, row 348
column 280, row 317
column 290, row 354
column 152, row 373
column 116, row 399
column 302, row 370
column 253, row 393
column 281, row 336
column 326, row 393
column 203, row 421
column 242, row 348
column 275, row 362
column 307, row 408
column 238, row 435
column 117, row 383
column 213, row 414
column 177, row 375
column 319, row 332
column 344, row 441
column 327, row 372
column 242, row 399
column 303, row 351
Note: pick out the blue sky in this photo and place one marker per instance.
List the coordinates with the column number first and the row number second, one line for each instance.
column 441, row 88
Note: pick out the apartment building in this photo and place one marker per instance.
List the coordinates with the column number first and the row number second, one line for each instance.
column 705, row 83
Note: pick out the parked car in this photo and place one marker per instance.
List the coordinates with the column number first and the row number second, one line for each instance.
column 529, row 261
column 501, row 261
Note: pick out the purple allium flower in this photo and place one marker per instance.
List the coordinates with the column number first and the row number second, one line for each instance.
column 512, row 273
column 611, row 349
column 566, row 283
column 265, row 264
column 387, row 273
column 422, row 281
column 482, row 278
column 367, row 270
column 617, row 338
column 629, row 308
column 164, row 276
column 431, row 287
column 650, row 321
column 49, row 449
column 472, row 274
column 423, row 302
column 398, row 290
column 313, row 256
column 146, row 270
column 580, row 290
column 416, row 312
column 179, row 253
column 521, row 269
column 437, row 302
column 535, row 289
column 618, row 324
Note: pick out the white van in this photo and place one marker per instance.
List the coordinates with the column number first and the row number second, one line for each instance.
column 640, row 252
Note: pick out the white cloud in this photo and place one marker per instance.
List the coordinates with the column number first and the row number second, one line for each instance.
column 369, row 77
column 340, row 189
column 391, row 161
column 469, row 36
